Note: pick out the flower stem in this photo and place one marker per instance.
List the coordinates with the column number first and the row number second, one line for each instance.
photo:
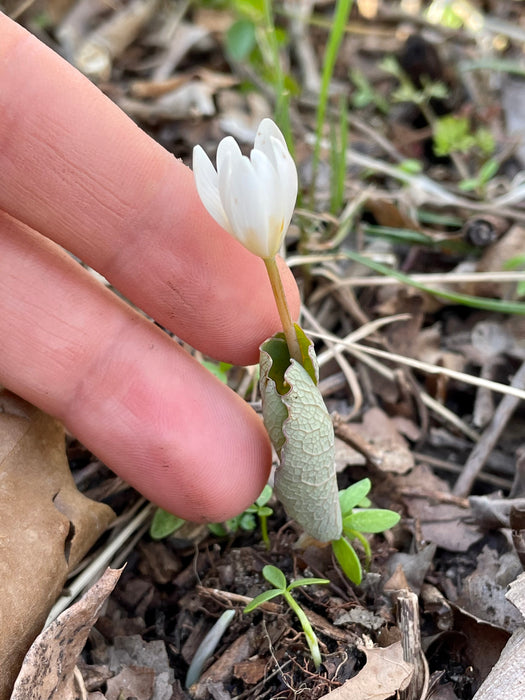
column 282, row 307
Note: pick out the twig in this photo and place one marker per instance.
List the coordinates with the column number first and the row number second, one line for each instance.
column 486, row 443
column 408, row 622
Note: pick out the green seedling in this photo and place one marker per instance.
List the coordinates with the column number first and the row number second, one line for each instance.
column 454, row 134
column 164, row 524
column 277, row 579
column 359, row 519
column 365, row 94
column 407, row 91
column 247, row 519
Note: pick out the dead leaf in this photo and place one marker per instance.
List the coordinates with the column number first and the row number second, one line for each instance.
column 428, row 499
column 133, row 681
column 49, row 664
column 46, row 527
column 383, row 675
column 378, row 439
column 483, row 591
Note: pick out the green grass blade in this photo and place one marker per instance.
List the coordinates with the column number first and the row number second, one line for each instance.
column 498, row 305
column 341, row 14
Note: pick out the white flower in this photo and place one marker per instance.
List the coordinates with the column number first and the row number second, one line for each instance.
column 252, row 198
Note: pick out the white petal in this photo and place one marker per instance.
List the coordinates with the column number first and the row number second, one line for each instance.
column 227, row 148
column 287, row 174
column 207, row 184
column 247, row 207
column 276, row 207
column 267, row 131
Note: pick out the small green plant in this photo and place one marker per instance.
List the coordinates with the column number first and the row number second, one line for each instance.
column 365, row 94
column 407, row 91
column 455, row 134
column 247, row 519
column 277, row 579
column 164, row 524
column 358, row 519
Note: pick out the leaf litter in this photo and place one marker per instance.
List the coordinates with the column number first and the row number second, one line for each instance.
column 421, row 398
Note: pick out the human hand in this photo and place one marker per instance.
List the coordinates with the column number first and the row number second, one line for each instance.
column 76, row 172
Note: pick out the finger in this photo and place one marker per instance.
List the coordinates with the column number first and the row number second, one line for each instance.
column 122, row 386
column 75, row 168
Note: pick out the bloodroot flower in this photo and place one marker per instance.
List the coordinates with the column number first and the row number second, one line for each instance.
column 252, row 198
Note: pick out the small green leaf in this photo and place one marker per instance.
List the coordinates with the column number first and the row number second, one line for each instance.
column 164, row 524
column 348, row 560
column 307, row 582
column 262, row 598
column 218, row 369
column 274, row 576
column 265, row 496
column 264, row 512
column 353, row 496
column 241, row 39
column 247, row 522
column 488, row 170
column 217, row 529
column 371, row 520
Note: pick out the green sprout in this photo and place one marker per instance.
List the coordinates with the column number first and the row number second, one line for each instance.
column 277, row 579
column 407, row 91
column 358, row 519
column 247, row 519
column 365, row 94
column 165, row 524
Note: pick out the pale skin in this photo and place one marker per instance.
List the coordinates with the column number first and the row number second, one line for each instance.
column 76, row 172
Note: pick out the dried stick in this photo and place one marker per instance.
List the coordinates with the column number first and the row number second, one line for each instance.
column 486, row 443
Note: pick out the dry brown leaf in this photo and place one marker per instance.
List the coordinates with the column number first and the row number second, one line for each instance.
column 382, row 443
column 46, row 526
column 50, row 662
column 442, row 519
column 133, row 681
column 383, row 675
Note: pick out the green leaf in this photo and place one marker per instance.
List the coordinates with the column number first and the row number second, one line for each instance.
column 164, row 524
column 274, row 576
column 262, row 598
column 307, row 582
column 264, row 512
column 371, row 520
column 302, row 433
column 247, row 522
column 241, row 39
column 218, row 369
column 348, row 560
column 217, row 529
column 265, row 496
column 352, row 496
column 488, row 170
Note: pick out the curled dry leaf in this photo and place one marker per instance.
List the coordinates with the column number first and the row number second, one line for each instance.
column 384, row 674
column 301, row 432
column 49, row 664
column 46, row 526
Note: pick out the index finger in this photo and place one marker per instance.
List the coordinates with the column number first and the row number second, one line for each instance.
column 77, row 169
